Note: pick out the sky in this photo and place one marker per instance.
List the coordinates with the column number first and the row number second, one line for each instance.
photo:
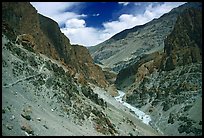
column 90, row 23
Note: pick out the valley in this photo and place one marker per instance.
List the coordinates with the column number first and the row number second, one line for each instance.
column 143, row 81
column 56, row 104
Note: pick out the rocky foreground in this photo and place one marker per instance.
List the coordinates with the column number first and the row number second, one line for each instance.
column 39, row 97
column 50, row 87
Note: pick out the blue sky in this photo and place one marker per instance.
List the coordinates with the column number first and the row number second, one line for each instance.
column 90, row 23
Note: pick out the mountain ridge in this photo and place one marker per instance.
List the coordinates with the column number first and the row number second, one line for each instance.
column 49, row 40
column 167, row 85
column 50, row 87
column 120, row 54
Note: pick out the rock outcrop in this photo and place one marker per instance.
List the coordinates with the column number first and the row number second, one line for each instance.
column 184, row 45
column 89, row 71
column 168, row 85
column 41, row 98
column 24, row 19
column 138, row 71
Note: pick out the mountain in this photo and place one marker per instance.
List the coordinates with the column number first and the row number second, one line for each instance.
column 128, row 46
column 41, row 98
column 50, row 87
column 168, row 85
column 184, row 44
column 49, row 40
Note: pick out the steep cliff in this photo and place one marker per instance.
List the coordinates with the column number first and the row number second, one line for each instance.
column 137, row 72
column 49, row 40
column 45, row 89
column 168, row 85
column 184, row 45
column 41, row 98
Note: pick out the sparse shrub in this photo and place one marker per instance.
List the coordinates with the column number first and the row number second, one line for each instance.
column 16, row 51
column 54, row 67
column 165, row 106
column 17, row 69
column 184, row 119
column 48, row 65
column 49, row 82
column 200, row 123
column 4, row 63
column 187, row 107
column 38, row 82
column 181, row 129
column 28, row 47
column 32, row 62
column 41, row 81
column 95, row 111
column 9, row 46
column 171, row 118
column 197, row 132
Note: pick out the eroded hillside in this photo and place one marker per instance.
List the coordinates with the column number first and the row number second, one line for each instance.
column 168, row 86
column 21, row 18
column 129, row 46
column 50, row 87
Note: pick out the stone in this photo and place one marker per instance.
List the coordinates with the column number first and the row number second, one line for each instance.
column 26, row 127
column 26, row 116
column 27, row 113
column 25, row 39
column 45, row 126
column 39, row 119
column 3, row 111
column 9, row 126
column 12, row 117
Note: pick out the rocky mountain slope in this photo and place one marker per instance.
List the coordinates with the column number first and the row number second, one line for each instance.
column 41, row 98
column 48, row 40
column 50, row 87
column 168, row 85
column 128, row 46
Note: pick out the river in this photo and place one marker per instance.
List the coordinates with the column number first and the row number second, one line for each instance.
column 142, row 116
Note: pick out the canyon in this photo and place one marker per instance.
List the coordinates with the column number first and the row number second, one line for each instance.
column 143, row 81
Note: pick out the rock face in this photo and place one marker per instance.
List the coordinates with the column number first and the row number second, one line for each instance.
column 22, row 18
column 128, row 46
column 48, row 84
column 168, row 85
column 40, row 97
column 138, row 71
column 86, row 65
column 25, row 39
column 41, row 87
column 50, row 79
column 184, row 44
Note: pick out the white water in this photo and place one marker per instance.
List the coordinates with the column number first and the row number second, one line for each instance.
column 145, row 118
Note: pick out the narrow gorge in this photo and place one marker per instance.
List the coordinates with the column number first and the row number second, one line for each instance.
column 143, row 81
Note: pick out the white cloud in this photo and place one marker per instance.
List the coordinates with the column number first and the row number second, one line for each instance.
column 78, row 33
column 62, row 17
column 49, row 8
column 89, row 36
column 126, row 21
column 75, row 23
column 158, row 10
column 124, row 3
column 96, row 14
column 56, row 10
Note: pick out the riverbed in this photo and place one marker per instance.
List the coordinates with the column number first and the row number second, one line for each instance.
column 140, row 114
